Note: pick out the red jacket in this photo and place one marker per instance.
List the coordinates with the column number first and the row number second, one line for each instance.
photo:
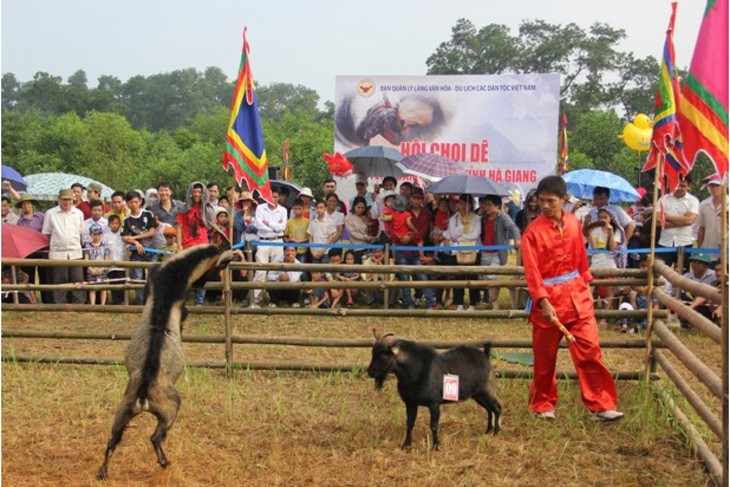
column 547, row 252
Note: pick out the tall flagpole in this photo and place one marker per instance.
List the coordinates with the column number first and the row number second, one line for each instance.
column 649, row 362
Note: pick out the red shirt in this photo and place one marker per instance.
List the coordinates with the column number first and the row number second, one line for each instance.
column 549, row 252
column 85, row 207
column 400, row 225
column 194, row 231
column 488, row 230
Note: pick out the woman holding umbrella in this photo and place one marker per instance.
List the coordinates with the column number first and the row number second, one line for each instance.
column 464, row 227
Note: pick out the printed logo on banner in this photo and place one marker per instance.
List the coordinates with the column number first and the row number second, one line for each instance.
column 451, row 387
column 366, row 88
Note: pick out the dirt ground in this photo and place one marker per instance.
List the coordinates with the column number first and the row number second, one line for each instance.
column 304, row 428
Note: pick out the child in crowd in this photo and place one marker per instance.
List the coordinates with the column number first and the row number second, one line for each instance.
column 335, row 258
column 321, row 228
column 319, row 297
column 170, row 247
column 115, row 244
column 373, row 296
column 221, row 235
column 386, row 216
column 402, row 220
column 296, row 229
column 96, row 250
column 349, row 276
column 602, row 239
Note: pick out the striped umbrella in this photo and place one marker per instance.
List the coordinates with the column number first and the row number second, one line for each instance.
column 45, row 186
column 431, row 167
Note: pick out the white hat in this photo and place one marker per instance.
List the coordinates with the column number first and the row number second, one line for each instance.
column 306, row 192
column 625, row 307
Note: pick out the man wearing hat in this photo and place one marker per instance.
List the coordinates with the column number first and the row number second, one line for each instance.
column 93, row 193
column 361, row 185
column 709, row 220
column 29, row 218
column 65, row 226
column 701, row 270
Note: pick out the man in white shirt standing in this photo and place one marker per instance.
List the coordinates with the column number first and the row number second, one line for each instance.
column 65, row 225
column 270, row 222
column 709, row 235
column 680, row 211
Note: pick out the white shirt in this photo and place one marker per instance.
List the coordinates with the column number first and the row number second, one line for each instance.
column 321, row 230
column 710, row 219
column 115, row 244
column 294, row 276
column 673, row 206
column 102, row 222
column 65, row 230
column 456, row 231
column 275, row 218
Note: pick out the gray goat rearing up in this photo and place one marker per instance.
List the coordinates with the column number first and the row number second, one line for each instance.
column 154, row 357
column 420, row 372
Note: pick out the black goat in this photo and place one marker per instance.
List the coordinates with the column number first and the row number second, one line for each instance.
column 420, row 371
column 154, row 357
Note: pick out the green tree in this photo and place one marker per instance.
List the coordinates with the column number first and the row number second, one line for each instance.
column 10, row 91
column 276, row 99
column 585, row 59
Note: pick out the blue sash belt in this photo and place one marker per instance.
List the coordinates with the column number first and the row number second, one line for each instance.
column 551, row 281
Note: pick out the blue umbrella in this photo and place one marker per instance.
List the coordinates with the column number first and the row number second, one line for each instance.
column 582, row 182
column 16, row 180
column 468, row 184
column 375, row 161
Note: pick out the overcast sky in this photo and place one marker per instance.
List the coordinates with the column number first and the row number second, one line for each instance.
column 294, row 41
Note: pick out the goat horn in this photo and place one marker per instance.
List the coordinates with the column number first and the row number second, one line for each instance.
column 375, row 334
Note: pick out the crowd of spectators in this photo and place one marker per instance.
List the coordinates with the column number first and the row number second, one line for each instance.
column 423, row 228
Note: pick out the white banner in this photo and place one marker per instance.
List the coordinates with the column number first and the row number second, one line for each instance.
column 504, row 127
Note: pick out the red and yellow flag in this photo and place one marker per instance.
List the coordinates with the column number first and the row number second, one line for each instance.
column 703, row 113
column 245, row 150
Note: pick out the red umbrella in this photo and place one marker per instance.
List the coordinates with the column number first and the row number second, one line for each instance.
column 20, row 242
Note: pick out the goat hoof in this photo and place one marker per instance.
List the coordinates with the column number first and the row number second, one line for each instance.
column 164, row 463
column 436, row 447
column 101, row 475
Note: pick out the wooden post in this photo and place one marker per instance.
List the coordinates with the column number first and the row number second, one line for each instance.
column 724, row 326
column 679, row 267
column 649, row 359
column 14, row 280
column 228, row 303
column 386, row 291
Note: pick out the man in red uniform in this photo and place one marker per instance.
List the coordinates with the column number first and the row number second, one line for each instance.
column 556, row 269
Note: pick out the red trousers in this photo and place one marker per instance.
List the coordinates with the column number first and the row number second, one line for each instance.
column 597, row 388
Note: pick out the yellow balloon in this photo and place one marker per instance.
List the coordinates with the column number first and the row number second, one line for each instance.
column 636, row 138
column 642, row 121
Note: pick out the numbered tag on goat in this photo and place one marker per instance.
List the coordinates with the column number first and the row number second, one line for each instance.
column 451, row 387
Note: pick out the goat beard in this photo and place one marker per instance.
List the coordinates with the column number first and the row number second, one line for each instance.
column 380, row 380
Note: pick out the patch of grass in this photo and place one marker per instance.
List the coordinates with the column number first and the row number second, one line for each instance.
column 307, row 428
